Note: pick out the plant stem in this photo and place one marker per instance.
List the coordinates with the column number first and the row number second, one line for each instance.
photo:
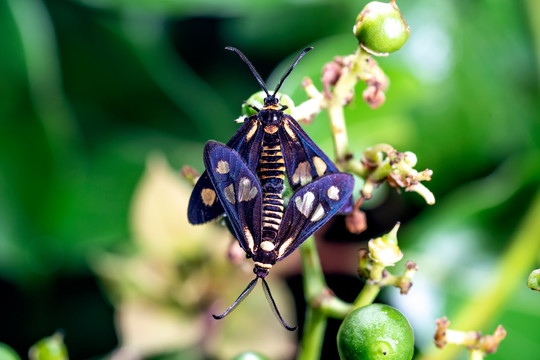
column 335, row 308
column 314, row 284
column 313, row 335
column 476, row 354
column 367, row 295
column 341, row 94
column 339, row 129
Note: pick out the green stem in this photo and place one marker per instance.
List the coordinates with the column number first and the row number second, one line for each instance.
column 343, row 89
column 367, row 295
column 356, row 167
column 339, row 129
column 334, row 307
column 476, row 354
column 314, row 285
column 313, row 335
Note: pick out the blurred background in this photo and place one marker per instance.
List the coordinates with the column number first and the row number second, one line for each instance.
column 102, row 102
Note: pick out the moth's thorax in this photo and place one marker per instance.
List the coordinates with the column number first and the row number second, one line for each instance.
column 270, row 116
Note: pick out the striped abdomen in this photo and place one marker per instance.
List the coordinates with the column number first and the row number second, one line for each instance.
column 271, row 172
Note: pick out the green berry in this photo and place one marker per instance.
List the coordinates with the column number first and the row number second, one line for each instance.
column 249, row 355
column 7, row 353
column 534, row 280
column 257, row 100
column 375, row 332
column 380, row 28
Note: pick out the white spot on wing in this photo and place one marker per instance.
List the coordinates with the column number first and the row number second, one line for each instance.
column 284, row 246
column 305, row 203
column 289, row 130
column 333, row 192
column 229, row 194
column 246, row 192
column 302, row 174
column 318, row 214
column 251, row 131
column 222, row 167
column 320, row 165
column 208, row 196
column 249, row 239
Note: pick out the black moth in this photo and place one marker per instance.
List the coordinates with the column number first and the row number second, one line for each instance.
column 264, row 230
column 245, row 179
column 272, row 144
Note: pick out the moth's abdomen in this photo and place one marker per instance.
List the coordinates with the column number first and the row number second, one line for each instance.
column 271, row 172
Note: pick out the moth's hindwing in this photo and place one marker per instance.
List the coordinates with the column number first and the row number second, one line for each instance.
column 238, row 190
column 310, row 208
column 203, row 205
column 304, row 160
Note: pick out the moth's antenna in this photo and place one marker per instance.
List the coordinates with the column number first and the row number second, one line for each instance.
column 274, row 306
column 291, row 68
column 238, row 300
column 250, row 66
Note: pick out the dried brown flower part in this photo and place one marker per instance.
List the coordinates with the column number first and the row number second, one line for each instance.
column 490, row 343
column 190, row 174
column 356, row 221
column 440, row 334
column 406, row 280
column 473, row 340
column 330, row 75
column 374, row 96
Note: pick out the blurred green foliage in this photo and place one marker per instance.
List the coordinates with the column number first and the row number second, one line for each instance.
column 90, row 87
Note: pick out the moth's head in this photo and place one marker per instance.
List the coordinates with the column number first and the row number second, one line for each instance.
column 271, row 101
column 260, row 271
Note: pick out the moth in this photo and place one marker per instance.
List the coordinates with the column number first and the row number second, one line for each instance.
column 273, row 145
column 266, row 231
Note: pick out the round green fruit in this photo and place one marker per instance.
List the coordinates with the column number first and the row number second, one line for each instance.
column 375, row 332
column 249, row 355
column 257, row 100
column 380, row 28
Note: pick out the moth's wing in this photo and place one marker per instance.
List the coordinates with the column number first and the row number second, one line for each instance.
column 247, row 142
column 239, row 192
column 304, row 160
column 310, row 208
column 203, row 205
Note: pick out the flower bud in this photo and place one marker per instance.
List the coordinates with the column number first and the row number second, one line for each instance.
column 385, row 250
column 380, row 28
